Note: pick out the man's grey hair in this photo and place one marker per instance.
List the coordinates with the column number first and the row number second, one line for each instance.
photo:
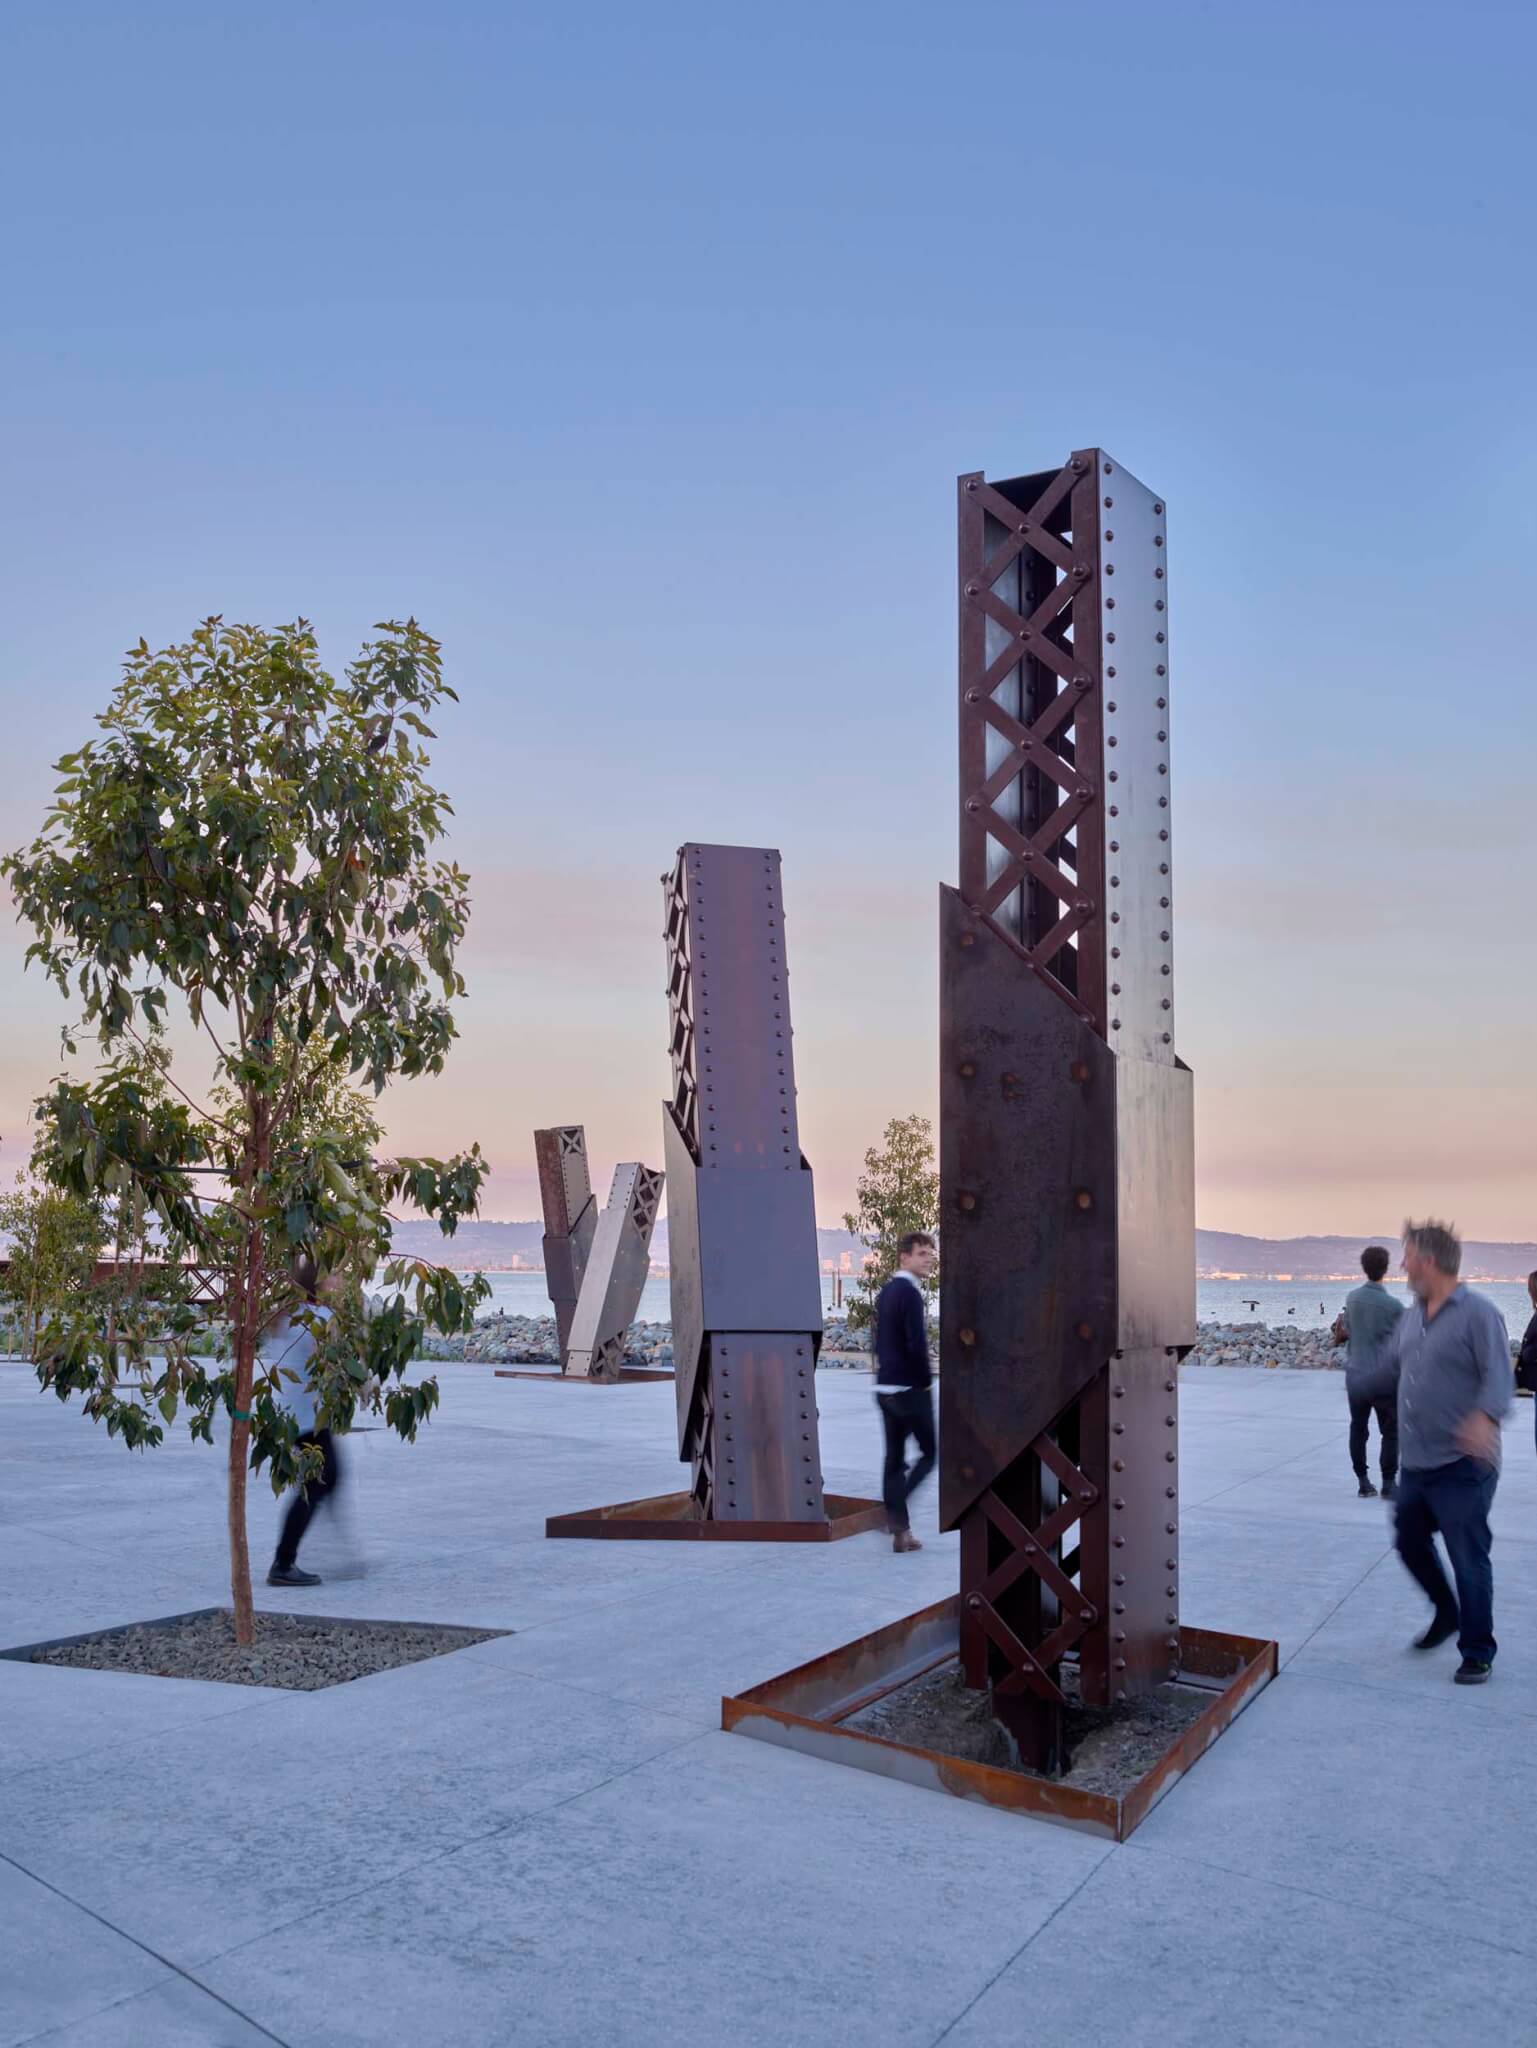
column 1437, row 1242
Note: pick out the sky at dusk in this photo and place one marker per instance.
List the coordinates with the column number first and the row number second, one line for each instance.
column 636, row 350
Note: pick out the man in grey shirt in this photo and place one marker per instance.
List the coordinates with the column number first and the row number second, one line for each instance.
column 1454, row 1387
column 1371, row 1370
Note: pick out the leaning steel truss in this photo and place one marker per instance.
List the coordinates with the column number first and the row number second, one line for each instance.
column 1068, row 1292
column 616, row 1272
column 745, row 1282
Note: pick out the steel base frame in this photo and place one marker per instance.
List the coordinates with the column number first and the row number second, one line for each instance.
column 808, row 1709
column 673, row 1517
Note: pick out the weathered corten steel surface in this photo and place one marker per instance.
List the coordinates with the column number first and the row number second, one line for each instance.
column 807, row 1710
column 617, row 1266
column 746, row 1292
column 672, row 1517
column 570, row 1218
column 1065, row 1114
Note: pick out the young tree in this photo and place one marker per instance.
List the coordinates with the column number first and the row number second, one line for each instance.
column 897, row 1192
column 253, row 838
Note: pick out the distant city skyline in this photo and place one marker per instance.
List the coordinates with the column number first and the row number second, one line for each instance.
column 636, row 353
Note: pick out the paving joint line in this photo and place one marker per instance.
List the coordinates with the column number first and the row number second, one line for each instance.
column 1029, row 1942
column 143, row 1946
column 1396, row 1918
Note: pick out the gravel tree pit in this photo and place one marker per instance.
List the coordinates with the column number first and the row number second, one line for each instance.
column 298, row 1652
column 1111, row 1748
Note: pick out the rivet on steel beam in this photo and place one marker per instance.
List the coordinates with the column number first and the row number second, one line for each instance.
column 1168, row 1386
column 1120, row 1607
column 1109, row 604
column 1084, row 1199
column 1079, row 1071
column 1115, row 986
column 1086, row 1330
column 1115, row 1023
column 1078, row 466
column 1080, row 570
column 1158, row 573
column 968, row 1201
column 968, row 939
column 973, row 696
column 1118, row 1503
column 971, row 590
column 1086, row 1614
column 1108, row 503
column 1119, row 1428
column 1171, row 1493
column 1110, row 639
column 1120, row 1579
column 1158, row 604
column 1119, row 1542
column 1118, row 1464
column 1120, row 1665
column 968, row 1337
column 972, row 485
column 1108, row 534
column 1171, row 1619
column 973, row 805
column 967, row 1070
column 973, row 1600
column 1118, row 1392
column 1169, row 1455
column 1109, row 568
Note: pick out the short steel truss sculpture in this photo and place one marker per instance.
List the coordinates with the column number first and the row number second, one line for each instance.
column 570, row 1219
column 1068, row 1295
column 615, row 1273
column 746, row 1289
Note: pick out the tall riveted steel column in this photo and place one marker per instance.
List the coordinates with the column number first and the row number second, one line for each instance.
column 1068, row 1290
column 746, row 1285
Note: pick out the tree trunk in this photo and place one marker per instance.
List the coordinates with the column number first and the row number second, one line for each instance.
column 247, row 1331
column 239, row 1547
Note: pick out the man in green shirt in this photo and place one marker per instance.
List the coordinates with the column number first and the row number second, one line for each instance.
column 1371, row 1371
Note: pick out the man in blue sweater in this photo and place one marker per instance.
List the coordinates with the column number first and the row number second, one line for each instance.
column 904, row 1381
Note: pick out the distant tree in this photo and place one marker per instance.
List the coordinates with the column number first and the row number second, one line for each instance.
column 254, row 838
column 54, row 1241
column 897, row 1192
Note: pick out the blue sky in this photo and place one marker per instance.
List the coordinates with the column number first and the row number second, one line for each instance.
column 636, row 352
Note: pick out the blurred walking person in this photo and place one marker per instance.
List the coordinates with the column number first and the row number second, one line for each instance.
column 291, row 1345
column 904, row 1382
column 1454, row 1389
column 1370, row 1327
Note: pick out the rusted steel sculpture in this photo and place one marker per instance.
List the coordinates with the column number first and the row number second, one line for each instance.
column 570, row 1219
column 746, row 1285
column 616, row 1271
column 1068, row 1292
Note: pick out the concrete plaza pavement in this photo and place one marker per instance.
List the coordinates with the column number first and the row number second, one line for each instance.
column 546, row 1838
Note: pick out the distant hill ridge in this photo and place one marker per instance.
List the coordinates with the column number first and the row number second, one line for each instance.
column 1216, row 1251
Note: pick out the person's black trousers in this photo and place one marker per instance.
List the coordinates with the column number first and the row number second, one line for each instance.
column 1455, row 1499
column 1361, row 1413
column 905, row 1415
column 308, row 1498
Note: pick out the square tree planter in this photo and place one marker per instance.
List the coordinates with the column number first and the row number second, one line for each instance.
column 806, row 1709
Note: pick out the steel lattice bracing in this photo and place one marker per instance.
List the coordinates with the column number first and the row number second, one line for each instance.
column 746, row 1291
column 616, row 1269
column 1065, row 1149
column 570, row 1219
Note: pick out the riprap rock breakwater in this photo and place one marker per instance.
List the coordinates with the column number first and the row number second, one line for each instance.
column 1282, row 1347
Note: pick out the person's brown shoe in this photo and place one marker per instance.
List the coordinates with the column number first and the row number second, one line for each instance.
column 904, row 1539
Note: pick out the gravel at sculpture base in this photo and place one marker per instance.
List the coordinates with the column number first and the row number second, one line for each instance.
column 1112, row 1748
column 301, row 1653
